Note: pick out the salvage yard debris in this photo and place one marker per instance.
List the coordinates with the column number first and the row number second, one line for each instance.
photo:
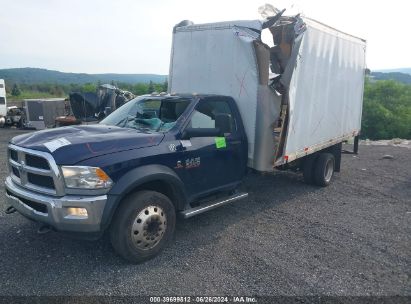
column 396, row 142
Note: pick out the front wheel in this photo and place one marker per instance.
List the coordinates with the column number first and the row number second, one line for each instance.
column 142, row 226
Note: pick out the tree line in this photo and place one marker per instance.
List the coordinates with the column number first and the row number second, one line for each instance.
column 21, row 91
column 386, row 110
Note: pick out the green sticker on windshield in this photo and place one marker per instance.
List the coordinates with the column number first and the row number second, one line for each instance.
column 220, row 142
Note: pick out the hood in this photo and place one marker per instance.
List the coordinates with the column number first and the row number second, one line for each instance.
column 70, row 145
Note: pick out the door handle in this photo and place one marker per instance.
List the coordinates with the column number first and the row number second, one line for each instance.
column 235, row 142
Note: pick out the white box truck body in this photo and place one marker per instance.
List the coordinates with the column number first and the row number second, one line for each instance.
column 298, row 97
column 3, row 100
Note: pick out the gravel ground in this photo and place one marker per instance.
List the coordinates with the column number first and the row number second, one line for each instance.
column 288, row 238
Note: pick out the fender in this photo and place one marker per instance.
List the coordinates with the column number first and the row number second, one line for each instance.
column 136, row 177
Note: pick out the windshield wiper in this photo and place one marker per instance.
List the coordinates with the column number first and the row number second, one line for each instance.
column 125, row 120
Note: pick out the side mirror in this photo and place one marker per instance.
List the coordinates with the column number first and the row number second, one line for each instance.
column 201, row 132
column 224, row 122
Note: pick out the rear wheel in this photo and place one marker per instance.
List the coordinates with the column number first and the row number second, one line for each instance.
column 324, row 169
column 143, row 226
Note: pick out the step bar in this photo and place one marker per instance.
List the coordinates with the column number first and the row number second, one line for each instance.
column 207, row 207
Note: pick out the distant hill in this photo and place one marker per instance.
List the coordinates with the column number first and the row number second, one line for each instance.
column 35, row 76
column 400, row 70
column 397, row 76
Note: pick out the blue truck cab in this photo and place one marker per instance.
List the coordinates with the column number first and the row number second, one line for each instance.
column 156, row 158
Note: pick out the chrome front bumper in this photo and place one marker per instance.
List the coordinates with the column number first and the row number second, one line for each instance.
column 54, row 210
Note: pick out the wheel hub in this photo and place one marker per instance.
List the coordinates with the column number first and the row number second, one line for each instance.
column 148, row 227
column 153, row 226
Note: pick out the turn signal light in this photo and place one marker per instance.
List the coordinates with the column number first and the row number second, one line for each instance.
column 80, row 212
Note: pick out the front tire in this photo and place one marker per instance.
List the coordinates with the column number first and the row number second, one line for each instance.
column 142, row 226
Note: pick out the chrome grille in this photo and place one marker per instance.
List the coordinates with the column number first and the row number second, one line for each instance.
column 37, row 162
column 35, row 170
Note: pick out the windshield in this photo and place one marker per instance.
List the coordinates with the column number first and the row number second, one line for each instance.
column 149, row 114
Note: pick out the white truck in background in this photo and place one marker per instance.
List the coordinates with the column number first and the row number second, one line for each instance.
column 3, row 103
column 12, row 115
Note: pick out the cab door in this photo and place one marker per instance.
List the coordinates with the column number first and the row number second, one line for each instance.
column 213, row 162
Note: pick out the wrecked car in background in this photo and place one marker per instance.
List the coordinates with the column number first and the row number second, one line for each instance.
column 93, row 107
column 15, row 117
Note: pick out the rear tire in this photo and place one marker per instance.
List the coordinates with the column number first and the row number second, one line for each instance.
column 324, row 169
column 142, row 226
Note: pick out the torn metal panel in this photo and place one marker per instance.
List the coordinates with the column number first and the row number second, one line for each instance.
column 271, row 21
column 262, row 52
column 268, row 109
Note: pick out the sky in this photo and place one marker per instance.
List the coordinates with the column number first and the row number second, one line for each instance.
column 134, row 36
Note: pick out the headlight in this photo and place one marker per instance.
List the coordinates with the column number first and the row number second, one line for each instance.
column 85, row 177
